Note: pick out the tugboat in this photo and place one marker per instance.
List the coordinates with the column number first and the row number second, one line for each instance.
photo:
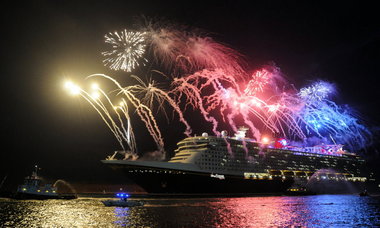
column 122, row 201
column 32, row 188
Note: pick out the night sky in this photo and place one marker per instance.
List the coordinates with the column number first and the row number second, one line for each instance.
column 45, row 42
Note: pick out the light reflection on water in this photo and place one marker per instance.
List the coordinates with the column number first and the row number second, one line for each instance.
column 305, row 211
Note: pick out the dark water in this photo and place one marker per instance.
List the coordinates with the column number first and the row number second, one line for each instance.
column 305, row 211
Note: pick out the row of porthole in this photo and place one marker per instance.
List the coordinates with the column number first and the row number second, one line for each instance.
column 156, row 171
column 47, row 191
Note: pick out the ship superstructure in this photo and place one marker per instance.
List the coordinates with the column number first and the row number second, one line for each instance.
column 222, row 164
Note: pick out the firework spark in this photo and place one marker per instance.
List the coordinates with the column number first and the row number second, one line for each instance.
column 128, row 48
column 319, row 90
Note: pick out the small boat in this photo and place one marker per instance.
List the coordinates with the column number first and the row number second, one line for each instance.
column 32, row 188
column 298, row 191
column 122, row 201
column 364, row 193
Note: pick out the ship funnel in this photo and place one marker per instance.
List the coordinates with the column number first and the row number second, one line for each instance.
column 204, row 134
column 240, row 134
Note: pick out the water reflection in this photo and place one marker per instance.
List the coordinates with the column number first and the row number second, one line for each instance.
column 53, row 213
column 345, row 211
column 261, row 212
column 122, row 215
column 133, row 217
column 307, row 211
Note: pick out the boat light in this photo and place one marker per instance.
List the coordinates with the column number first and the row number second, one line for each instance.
column 122, row 195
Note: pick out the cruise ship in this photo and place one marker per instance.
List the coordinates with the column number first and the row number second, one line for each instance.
column 239, row 165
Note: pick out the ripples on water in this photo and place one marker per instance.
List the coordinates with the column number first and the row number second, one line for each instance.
column 305, row 211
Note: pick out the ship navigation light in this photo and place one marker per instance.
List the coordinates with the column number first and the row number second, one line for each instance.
column 265, row 140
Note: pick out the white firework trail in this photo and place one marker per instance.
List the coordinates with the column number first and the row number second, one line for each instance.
column 151, row 93
column 102, row 109
column 142, row 110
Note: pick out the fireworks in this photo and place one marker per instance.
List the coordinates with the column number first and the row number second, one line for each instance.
column 317, row 91
column 257, row 83
column 325, row 118
column 178, row 51
column 127, row 49
column 211, row 78
column 205, row 53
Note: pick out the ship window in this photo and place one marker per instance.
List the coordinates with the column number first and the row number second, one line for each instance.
column 182, row 155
